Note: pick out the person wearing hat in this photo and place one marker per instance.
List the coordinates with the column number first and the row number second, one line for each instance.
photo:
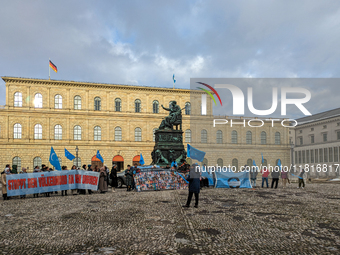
column 113, row 176
column 6, row 172
column 194, row 185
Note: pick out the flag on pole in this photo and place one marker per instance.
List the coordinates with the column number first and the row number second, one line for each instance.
column 174, row 163
column 262, row 158
column 53, row 66
column 54, row 159
column 195, row 153
column 99, row 156
column 173, row 78
column 69, row 155
column 279, row 164
column 141, row 160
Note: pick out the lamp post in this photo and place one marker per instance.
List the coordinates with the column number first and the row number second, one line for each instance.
column 292, row 153
column 77, row 155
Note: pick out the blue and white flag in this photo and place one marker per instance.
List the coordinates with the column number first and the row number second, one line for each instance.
column 173, row 78
column 54, row 160
column 141, row 160
column 279, row 164
column 99, row 156
column 194, row 153
column 68, row 155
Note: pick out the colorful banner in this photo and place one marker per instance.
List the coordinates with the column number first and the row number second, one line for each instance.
column 149, row 179
column 23, row 184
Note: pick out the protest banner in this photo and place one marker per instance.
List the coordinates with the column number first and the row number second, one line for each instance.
column 31, row 183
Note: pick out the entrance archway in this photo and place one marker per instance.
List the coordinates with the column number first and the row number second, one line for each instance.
column 119, row 161
column 136, row 160
column 96, row 162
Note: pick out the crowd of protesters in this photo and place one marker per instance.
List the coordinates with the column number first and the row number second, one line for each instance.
column 131, row 171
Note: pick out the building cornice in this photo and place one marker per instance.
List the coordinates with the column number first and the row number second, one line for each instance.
column 60, row 83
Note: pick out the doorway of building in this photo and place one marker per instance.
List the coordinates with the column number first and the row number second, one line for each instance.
column 136, row 160
column 119, row 161
column 96, row 162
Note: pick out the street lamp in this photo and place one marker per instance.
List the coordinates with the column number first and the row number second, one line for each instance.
column 77, row 155
column 292, row 153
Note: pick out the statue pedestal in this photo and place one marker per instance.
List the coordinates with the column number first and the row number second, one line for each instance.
column 168, row 147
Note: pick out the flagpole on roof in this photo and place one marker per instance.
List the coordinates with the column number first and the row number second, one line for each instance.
column 49, row 69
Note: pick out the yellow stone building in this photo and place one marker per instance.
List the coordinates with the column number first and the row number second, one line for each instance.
column 119, row 121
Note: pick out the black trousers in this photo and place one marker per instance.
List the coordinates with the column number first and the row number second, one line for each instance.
column 190, row 197
column 276, row 181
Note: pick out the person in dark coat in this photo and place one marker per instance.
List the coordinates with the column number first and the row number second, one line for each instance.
column 129, row 176
column 113, row 176
column 275, row 177
column 89, row 168
column 103, row 180
column 194, row 186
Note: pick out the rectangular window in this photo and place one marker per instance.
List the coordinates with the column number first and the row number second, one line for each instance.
column 330, row 150
column 316, row 156
column 336, row 154
column 312, row 129
column 312, row 139
column 338, row 135
column 324, row 137
column 307, row 156
column 303, row 157
column 312, row 156
column 324, row 126
column 299, row 157
column 300, row 131
column 325, row 155
column 320, row 155
column 301, row 140
column 296, row 158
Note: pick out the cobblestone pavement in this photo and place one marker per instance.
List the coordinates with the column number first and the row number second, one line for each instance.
column 228, row 221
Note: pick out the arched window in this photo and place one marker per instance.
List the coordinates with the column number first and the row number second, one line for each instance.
column 77, row 133
column 77, row 162
column 204, row 136
column 154, row 135
column 37, row 162
column 220, row 162
column 118, row 105
column 234, row 136
column 77, row 103
column 250, row 162
column 234, row 164
column 38, row 103
column 277, row 138
column 138, row 134
column 219, row 137
column 264, row 163
column 37, row 131
column 58, row 132
column 97, row 104
column 249, row 138
column 205, row 162
column 17, row 99
column 17, row 131
column 118, row 134
column 137, row 105
column 58, row 102
column 97, row 133
column 17, row 162
column 263, row 137
column 187, row 108
column 188, row 136
column 155, row 106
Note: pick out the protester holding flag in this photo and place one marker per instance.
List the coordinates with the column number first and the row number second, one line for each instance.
column 301, row 180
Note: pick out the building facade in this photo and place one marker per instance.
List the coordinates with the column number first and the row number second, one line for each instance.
column 317, row 143
column 119, row 121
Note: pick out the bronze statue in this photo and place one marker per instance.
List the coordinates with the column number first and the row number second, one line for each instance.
column 174, row 118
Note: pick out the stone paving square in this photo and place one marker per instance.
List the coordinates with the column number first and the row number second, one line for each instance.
column 228, row 221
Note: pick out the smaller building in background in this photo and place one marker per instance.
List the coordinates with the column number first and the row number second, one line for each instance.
column 317, row 143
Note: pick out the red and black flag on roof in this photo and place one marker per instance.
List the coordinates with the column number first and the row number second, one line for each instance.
column 53, row 66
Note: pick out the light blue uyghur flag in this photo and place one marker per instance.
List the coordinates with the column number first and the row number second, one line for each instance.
column 174, row 163
column 254, row 162
column 69, row 155
column 54, row 159
column 141, row 160
column 194, row 153
column 173, row 78
column 99, row 156
column 262, row 158
column 279, row 164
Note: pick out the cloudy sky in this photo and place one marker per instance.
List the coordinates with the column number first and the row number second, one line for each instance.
column 145, row 42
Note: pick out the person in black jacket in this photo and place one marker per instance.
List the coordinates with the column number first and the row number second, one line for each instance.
column 275, row 177
column 113, row 176
column 194, row 185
